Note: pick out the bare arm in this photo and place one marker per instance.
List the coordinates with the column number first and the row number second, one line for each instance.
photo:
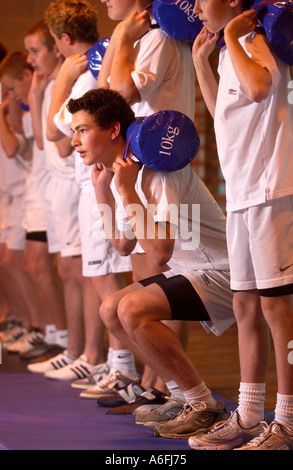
column 101, row 178
column 36, row 97
column 255, row 79
column 70, row 70
column 10, row 142
column 155, row 238
column 123, row 61
column 203, row 46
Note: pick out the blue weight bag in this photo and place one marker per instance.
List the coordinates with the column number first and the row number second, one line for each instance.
column 276, row 18
column 177, row 19
column 164, row 141
column 95, row 56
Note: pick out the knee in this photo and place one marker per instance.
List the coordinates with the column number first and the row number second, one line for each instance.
column 130, row 314
column 108, row 313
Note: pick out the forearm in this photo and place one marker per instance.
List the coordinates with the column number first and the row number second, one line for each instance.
column 60, row 93
column 255, row 79
column 9, row 140
column 121, row 70
column 154, row 238
column 207, row 83
column 121, row 242
column 35, row 103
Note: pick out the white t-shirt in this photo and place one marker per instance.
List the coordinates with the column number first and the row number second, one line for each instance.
column 254, row 140
column 180, row 197
column 163, row 75
column 63, row 120
column 64, row 167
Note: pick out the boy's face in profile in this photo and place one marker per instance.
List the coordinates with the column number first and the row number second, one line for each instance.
column 41, row 59
column 214, row 14
column 93, row 143
column 119, row 10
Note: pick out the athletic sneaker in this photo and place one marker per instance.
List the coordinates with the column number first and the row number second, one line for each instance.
column 11, row 335
column 274, row 437
column 57, row 362
column 26, row 342
column 100, row 372
column 194, row 419
column 226, row 435
column 80, row 369
column 110, row 384
column 127, row 395
column 150, row 396
column 163, row 414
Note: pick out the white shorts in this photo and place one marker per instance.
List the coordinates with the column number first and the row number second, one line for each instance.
column 13, row 232
column 99, row 257
column 61, row 205
column 204, row 296
column 260, row 245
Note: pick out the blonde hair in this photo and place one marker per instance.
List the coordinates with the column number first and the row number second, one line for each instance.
column 42, row 29
column 77, row 18
column 14, row 65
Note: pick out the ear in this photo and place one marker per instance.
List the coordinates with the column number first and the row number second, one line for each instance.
column 68, row 39
column 235, row 3
column 115, row 130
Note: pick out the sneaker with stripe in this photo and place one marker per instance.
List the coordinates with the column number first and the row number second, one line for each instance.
column 79, row 369
column 99, row 373
column 109, row 385
column 57, row 362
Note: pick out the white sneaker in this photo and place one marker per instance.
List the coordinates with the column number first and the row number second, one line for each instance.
column 61, row 360
column 10, row 336
column 113, row 382
column 80, row 368
column 26, row 342
column 100, row 372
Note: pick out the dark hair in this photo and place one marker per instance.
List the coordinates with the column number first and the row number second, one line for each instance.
column 247, row 4
column 14, row 65
column 105, row 107
column 3, row 52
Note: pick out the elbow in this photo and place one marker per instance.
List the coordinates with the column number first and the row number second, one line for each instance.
column 52, row 135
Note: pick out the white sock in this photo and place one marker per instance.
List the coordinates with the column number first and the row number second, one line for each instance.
column 200, row 393
column 62, row 338
column 284, row 410
column 50, row 334
column 175, row 390
column 123, row 360
column 251, row 403
column 109, row 357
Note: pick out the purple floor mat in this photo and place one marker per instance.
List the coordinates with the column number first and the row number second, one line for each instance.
column 40, row 414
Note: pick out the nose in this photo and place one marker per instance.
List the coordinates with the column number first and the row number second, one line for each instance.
column 196, row 8
column 75, row 141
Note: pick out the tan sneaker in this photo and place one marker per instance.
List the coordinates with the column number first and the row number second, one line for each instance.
column 226, row 435
column 193, row 419
column 274, row 437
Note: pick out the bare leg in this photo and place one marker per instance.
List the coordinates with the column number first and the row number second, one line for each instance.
column 69, row 269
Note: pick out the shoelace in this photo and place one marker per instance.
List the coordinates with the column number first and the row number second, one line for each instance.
column 188, row 408
column 269, row 429
column 108, row 379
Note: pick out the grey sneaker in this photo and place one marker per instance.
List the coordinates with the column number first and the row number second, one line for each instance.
column 226, row 435
column 274, row 437
column 193, row 419
column 160, row 415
